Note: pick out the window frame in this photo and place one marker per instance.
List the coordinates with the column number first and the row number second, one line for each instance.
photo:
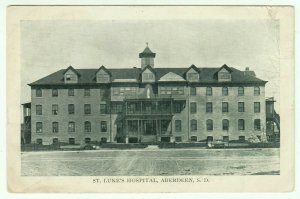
column 178, row 127
column 55, row 127
column 71, row 109
column 71, row 129
column 225, row 125
column 257, row 126
column 209, row 125
column 193, row 107
column 224, row 91
column 225, row 109
column 241, row 91
column 193, row 91
column 241, row 109
column 54, row 109
column 38, row 109
column 54, row 92
column 87, row 127
column 39, row 92
column 256, row 108
column 241, row 124
column 209, row 91
column 194, row 125
column 71, row 92
column 87, row 109
column 39, row 125
column 256, row 91
column 86, row 92
column 209, row 107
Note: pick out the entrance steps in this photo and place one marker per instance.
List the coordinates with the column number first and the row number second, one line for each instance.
column 152, row 147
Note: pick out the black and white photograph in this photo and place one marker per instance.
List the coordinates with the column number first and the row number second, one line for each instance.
column 185, row 99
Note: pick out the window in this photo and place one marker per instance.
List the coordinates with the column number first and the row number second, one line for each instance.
column 193, row 125
column 54, row 92
column 256, row 107
column 178, row 125
column 225, row 91
column 242, row 138
column 164, row 125
column 178, row 106
column 87, row 109
column 124, row 91
column 54, row 109
column 72, row 141
column 256, row 91
column 71, row 127
column 117, row 108
column 208, row 91
column 54, row 127
column 87, row 92
column 209, row 138
column 178, row 139
column 39, row 141
column 225, row 124
column 103, row 109
column 193, row 107
column 39, row 127
column 193, row 138
column 224, row 107
column 193, row 90
column 87, row 126
column 71, row 92
column 209, row 107
column 241, row 107
column 241, row 124
column 87, row 140
column 71, row 109
column 225, row 138
column 68, row 77
column 133, row 126
column 148, row 76
column 55, row 141
column 240, row 91
column 209, row 125
column 39, row 110
column 38, row 92
column 171, row 90
column 257, row 124
column 103, row 126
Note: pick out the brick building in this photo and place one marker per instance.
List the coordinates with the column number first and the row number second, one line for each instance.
column 147, row 104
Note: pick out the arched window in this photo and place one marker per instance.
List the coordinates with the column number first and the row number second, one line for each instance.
column 256, row 91
column 241, row 124
column 87, row 126
column 225, row 124
column 241, row 91
column 225, row 91
column 209, row 125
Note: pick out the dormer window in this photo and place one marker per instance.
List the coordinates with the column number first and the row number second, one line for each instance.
column 192, row 74
column 224, row 74
column 103, row 75
column 148, row 74
column 71, row 75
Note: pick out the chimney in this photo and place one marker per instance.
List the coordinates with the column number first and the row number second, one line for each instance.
column 249, row 72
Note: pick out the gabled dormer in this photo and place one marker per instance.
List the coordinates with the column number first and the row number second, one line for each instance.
column 103, row 75
column 192, row 74
column 148, row 74
column 224, row 74
column 71, row 75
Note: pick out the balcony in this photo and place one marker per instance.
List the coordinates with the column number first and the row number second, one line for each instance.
column 152, row 106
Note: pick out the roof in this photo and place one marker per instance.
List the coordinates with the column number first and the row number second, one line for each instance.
column 147, row 53
column 87, row 76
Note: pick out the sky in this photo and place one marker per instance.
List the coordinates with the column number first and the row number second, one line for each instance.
column 48, row 46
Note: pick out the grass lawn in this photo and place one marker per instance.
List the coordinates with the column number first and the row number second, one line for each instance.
column 168, row 162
